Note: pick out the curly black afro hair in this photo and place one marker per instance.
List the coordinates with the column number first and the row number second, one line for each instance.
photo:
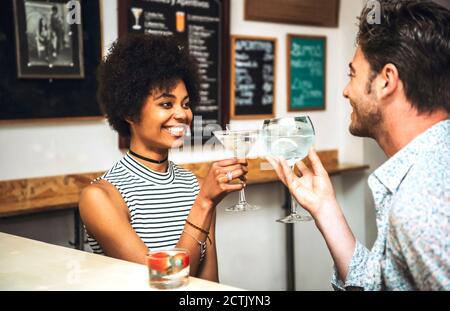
column 136, row 66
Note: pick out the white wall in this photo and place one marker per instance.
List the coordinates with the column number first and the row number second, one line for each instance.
column 250, row 246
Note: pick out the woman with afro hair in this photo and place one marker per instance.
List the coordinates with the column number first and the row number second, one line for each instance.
column 147, row 86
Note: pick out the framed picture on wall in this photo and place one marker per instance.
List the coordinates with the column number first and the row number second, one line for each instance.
column 49, row 39
column 306, row 72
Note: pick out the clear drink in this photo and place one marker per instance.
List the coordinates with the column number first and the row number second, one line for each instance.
column 289, row 138
column 292, row 147
column 240, row 146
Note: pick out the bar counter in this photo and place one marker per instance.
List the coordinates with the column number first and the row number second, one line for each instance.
column 36, row 266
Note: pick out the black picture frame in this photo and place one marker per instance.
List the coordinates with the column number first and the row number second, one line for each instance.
column 49, row 39
column 32, row 101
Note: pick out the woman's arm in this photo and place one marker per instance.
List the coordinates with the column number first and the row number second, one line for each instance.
column 106, row 218
column 208, row 270
column 214, row 188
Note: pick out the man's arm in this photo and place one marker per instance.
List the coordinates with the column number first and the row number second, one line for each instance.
column 315, row 193
column 419, row 241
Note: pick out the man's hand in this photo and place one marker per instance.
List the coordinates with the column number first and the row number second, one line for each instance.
column 313, row 190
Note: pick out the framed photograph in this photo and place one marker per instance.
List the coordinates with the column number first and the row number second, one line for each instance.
column 306, row 72
column 49, row 39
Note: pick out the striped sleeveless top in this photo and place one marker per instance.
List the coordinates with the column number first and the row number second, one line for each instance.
column 158, row 203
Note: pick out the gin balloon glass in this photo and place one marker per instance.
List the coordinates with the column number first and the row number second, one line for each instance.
column 240, row 143
column 289, row 138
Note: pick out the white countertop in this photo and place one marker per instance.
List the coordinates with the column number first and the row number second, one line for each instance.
column 32, row 265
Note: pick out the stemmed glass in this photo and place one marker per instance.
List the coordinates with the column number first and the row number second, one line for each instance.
column 290, row 138
column 240, row 143
column 137, row 13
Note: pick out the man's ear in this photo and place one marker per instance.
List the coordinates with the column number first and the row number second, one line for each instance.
column 388, row 81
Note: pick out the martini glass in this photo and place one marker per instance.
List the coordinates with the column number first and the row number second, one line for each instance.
column 289, row 138
column 240, row 143
column 136, row 13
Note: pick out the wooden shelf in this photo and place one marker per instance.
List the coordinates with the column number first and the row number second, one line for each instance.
column 34, row 195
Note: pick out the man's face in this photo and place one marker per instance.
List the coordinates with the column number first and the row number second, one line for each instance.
column 366, row 116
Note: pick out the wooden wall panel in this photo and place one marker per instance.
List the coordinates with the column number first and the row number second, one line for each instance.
column 302, row 12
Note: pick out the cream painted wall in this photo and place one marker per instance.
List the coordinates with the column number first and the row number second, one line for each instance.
column 250, row 246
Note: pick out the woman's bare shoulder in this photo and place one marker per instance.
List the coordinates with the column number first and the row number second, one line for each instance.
column 101, row 194
column 99, row 188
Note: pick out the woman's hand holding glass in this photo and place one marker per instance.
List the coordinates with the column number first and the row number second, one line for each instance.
column 224, row 177
column 313, row 190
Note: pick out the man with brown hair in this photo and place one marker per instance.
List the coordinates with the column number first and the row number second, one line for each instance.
column 400, row 95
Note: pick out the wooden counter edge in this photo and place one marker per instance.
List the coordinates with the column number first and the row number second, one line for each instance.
column 33, row 195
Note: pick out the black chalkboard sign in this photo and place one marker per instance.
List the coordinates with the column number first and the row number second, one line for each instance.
column 203, row 25
column 38, row 99
column 306, row 65
column 253, row 62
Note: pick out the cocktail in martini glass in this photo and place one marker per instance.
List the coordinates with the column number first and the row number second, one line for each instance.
column 240, row 143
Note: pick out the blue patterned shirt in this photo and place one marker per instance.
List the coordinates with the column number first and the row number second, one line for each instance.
column 412, row 202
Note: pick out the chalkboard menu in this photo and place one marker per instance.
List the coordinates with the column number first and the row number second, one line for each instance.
column 306, row 63
column 203, row 26
column 253, row 62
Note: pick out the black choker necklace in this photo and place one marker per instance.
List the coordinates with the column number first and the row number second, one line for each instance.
column 147, row 159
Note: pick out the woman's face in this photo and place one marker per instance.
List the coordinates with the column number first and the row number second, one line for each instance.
column 165, row 118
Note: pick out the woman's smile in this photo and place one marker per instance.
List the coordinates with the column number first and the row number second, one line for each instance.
column 178, row 130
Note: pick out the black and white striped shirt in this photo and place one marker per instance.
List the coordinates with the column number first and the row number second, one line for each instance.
column 159, row 203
